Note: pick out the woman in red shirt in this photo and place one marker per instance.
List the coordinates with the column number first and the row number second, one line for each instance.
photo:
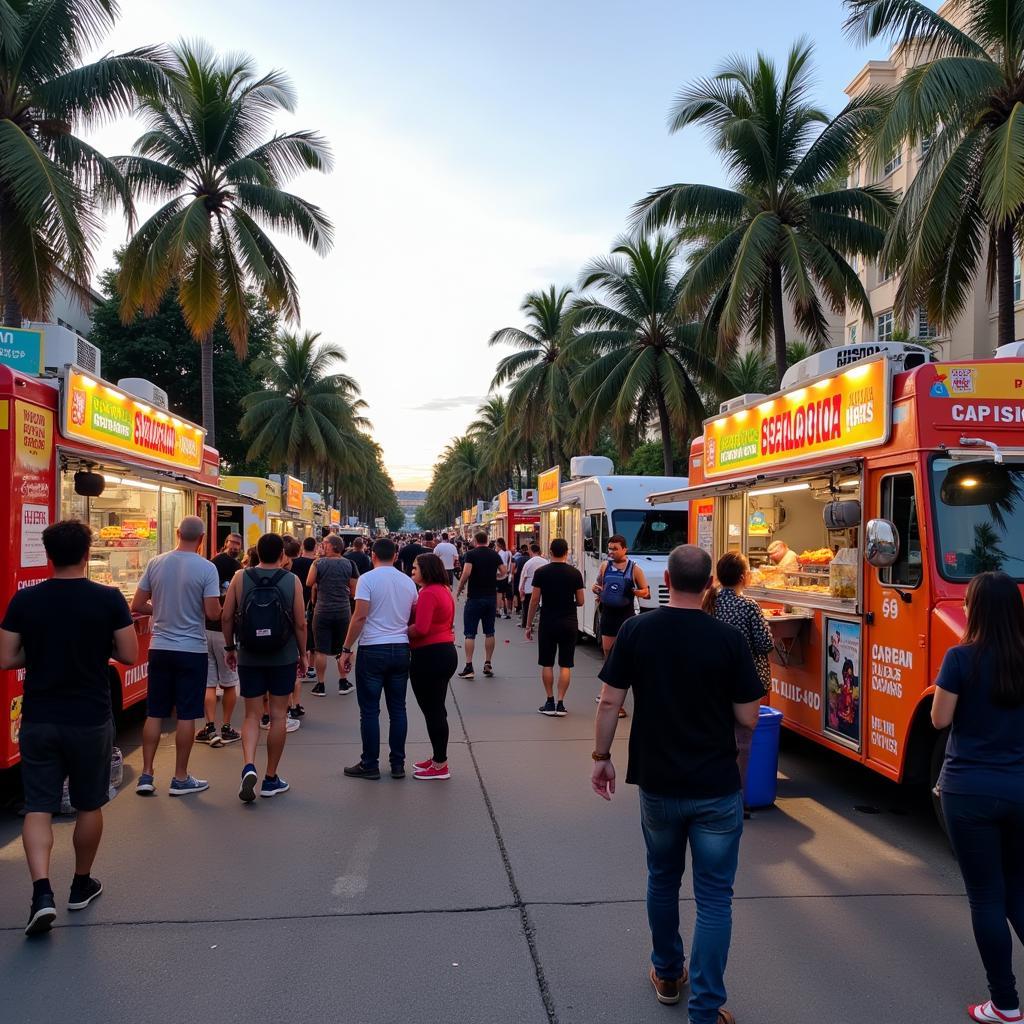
column 434, row 659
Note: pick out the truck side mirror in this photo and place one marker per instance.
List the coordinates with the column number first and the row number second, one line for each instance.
column 881, row 543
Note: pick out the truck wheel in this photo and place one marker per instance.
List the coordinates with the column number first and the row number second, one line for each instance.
column 597, row 626
column 934, row 767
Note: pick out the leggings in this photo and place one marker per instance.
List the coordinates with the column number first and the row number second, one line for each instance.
column 430, row 671
column 987, row 834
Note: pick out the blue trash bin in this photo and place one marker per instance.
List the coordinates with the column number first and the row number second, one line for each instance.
column 763, row 770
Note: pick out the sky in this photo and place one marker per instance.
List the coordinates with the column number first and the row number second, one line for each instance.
column 481, row 150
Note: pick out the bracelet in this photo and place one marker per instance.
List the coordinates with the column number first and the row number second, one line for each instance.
column 601, row 757
column 346, row 650
column 230, row 648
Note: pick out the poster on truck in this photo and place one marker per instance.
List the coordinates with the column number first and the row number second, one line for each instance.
column 842, row 679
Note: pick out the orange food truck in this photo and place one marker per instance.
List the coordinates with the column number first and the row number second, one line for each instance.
column 890, row 481
column 75, row 446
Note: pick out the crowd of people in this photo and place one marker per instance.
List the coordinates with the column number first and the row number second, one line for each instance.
column 698, row 669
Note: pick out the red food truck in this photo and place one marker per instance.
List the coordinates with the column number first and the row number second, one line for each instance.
column 76, row 446
column 515, row 522
column 866, row 495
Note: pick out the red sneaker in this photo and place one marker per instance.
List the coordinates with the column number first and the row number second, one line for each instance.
column 421, row 765
column 430, row 772
column 986, row 1012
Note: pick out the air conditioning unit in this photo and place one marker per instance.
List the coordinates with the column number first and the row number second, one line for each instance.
column 1015, row 350
column 590, row 465
column 146, row 390
column 741, row 402
column 529, row 495
column 901, row 357
column 62, row 346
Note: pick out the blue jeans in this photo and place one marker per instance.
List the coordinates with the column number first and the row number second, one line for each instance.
column 382, row 668
column 713, row 828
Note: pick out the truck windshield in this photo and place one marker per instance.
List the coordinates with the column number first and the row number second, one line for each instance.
column 979, row 518
column 650, row 531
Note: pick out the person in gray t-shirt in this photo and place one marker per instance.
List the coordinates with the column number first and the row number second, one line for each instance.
column 333, row 582
column 180, row 590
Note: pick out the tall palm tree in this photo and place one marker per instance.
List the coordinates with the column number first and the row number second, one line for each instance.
column 965, row 96
column 207, row 155
column 498, row 436
column 50, row 180
column 537, row 371
column 640, row 360
column 786, row 228
column 308, row 415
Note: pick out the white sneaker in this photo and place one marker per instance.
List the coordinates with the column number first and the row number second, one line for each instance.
column 291, row 724
column 986, row 1012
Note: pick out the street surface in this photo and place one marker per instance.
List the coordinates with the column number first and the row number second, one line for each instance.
column 511, row 893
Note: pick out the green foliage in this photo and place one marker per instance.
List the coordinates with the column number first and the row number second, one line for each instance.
column 647, row 459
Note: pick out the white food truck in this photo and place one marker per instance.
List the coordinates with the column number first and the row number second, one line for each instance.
column 593, row 505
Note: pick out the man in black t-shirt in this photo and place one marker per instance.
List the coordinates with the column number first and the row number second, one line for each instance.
column 359, row 558
column 63, row 632
column 558, row 590
column 217, row 671
column 693, row 679
column 407, row 555
column 481, row 570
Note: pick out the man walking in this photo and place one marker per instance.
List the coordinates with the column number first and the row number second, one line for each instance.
column 505, row 583
column 180, row 590
column 332, row 580
column 67, row 728
column 270, row 656
column 449, row 555
column 407, row 555
column 532, row 564
column 217, row 671
column 558, row 590
column 693, row 679
column 380, row 625
column 302, row 562
column 358, row 557
column 481, row 571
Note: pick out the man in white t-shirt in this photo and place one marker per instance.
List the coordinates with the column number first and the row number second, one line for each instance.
column 384, row 600
column 533, row 563
column 449, row 555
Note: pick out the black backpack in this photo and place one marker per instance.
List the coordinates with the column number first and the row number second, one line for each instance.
column 265, row 622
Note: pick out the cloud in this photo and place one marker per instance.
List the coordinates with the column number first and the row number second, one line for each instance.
column 447, row 404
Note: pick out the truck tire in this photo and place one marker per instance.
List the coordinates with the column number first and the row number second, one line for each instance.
column 938, row 753
column 597, row 625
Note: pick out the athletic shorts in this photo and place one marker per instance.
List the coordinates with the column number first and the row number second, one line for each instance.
column 557, row 638
column 613, row 618
column 329, row 633
column 177, row 684
column 217, row 671
column 479, row 611
column 259, row 680
column 505, row 588
column 52, row 753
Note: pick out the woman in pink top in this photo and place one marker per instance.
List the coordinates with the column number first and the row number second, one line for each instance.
column 434, row 659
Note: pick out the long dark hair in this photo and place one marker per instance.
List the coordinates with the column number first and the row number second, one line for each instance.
column 995, row 625
column 432, row 569
column 730, row 571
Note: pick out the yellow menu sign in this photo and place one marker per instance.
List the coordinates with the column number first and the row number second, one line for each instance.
column 335, row 517
column 549, row 486
column 100, row 414
column 293, row 494
column 846, row 411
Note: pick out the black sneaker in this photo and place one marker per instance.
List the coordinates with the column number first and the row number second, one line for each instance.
column 560, row 711
column 41, row 914
column 319, row 690
column 229, row 734
column 488, row 671
column 467, row 673
column 82, row 895
column 357, row 771
column 209, row 734
column 345, row 687
column 548, row 707
column 398, row 771
column 296, row 712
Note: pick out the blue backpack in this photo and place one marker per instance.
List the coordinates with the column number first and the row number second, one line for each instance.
column 617, row 586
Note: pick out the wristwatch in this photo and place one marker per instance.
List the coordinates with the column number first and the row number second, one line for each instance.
column 346, row 650
column 230, row 647
column 601, row 757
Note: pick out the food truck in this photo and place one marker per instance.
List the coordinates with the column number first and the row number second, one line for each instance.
column 515, row 521
column 76, row 446
column 893, row 480
column 256, row 511
column 592, row 506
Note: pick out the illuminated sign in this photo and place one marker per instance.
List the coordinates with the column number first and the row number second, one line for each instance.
column 335, row 517
column 22, row 350
column 503, row 502
column 549, row 486
column 987, row 394
column 840, row 413
column 109, row 418
column 292, row 494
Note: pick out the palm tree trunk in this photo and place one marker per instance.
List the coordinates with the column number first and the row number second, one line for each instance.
column 11, row 306
column 551, row 452
column 206, row 378
column 778, row 322
column 666, row 432
column 529, row 460
column 1005, row 329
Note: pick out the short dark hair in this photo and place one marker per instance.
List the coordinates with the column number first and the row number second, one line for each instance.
column 292, row 548
column 480, row 537
column 524, row 548
column 731, row 568
column 67, row 542
column 559, row 547
column 444, row 536
column 384, row 549
column 309, row 544
column 535, row 548
column 617, row 538
column 500, row 541
column 270, row 547
column 689, row 569
column 428, row 535
column 432, row 569
column 357, row 543
column 335, row 543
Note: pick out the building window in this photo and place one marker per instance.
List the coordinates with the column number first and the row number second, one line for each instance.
column 896, row 160
column 883, row 326
column 1016, row 279
column 926, row 144
column 924, row 328
column 853, row 334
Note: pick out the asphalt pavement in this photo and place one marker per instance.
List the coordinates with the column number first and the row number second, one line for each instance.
column 510, row 893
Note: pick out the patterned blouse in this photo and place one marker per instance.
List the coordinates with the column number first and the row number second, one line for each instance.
column 745, row 614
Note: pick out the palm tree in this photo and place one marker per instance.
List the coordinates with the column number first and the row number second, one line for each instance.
column 50, row 180
column 640, row 359
column 748, row 373
column 308, row 415
column 498, row 436
column 537, row 372
column 786, row 228
column 208, row 157
column 965, row 97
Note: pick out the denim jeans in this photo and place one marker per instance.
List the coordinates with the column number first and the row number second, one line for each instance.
column 382, row 668
column 712, row 827
column 987, row 835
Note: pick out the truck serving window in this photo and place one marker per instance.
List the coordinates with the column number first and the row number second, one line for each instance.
column 650, row 531
column 979, row 518
column 899, row 505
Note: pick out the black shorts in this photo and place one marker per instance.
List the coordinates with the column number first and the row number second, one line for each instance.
column 613, row 618
column 504, row 588
column 79, row 753
column 259, row 680
column 329, row 633
column 557, row 638
column 177, row 684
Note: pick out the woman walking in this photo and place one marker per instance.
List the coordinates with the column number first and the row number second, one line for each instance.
column 728, row 604
column 980, row 695
column 433, row 659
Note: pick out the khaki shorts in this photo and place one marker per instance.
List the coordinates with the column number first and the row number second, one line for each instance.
column 217, row 671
